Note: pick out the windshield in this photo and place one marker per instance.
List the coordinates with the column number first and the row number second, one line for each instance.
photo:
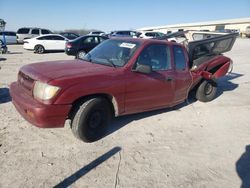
column 112, row 52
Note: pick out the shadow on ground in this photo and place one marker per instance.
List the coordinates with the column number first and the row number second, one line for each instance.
column 2, row 59
column 78, row 174
column 4, row 95
column 14, row 53
column 243, row 168
column 51, row 52
column 225, row 85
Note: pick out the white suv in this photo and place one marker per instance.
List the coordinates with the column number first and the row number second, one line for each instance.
column 150, row 34
column 27, row 33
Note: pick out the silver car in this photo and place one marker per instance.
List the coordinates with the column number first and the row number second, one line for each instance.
column 27, row 33
column 10, row 37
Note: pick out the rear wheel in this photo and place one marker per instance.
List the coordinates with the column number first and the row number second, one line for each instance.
column 39, row 49
column 206, row 91
column 80, row 54
column 90, row 119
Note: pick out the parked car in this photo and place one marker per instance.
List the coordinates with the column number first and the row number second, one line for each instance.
column 126, row 33
column 70, row 36
column 50, row 42
column 28, row 32
column 120, row 76
column 248, row 32
column 10, row 37
column 96, row 33
column 150, row 34
column 82, row 45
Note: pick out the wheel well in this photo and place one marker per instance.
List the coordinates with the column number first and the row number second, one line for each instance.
column 76, row 104
column 39, row 45
column 214, row 69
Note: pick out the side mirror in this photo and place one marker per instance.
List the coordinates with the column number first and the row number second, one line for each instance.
column 146, row 69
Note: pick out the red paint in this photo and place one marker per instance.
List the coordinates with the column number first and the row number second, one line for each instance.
column 130, row 91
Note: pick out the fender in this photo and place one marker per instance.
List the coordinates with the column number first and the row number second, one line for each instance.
column 221, row 71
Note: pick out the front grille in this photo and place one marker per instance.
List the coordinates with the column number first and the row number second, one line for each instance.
column 25, row 82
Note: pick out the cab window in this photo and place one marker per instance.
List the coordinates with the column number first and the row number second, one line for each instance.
column 179, row 58
column 44, row 31
column 35, row 31
column 91, row 40
column 157, row 56
column 58, row 38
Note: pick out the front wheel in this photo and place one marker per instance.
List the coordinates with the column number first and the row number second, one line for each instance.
column 90, row 119
column 206, row 91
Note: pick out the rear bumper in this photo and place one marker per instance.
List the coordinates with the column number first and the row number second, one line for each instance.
column 38, row 114
column 27, row 46
column 70, row 51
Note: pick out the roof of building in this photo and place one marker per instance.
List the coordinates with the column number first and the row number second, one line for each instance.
column 217, row 22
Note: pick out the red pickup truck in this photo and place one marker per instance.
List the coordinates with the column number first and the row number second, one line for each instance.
column 120, row 76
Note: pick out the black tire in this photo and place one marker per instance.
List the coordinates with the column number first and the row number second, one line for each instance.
column 39, row 49
column 90, row 119
column 3, row 48
column 80, row 54
column 206, row 91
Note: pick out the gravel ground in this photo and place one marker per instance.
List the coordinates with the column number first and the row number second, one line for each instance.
column 192, row 145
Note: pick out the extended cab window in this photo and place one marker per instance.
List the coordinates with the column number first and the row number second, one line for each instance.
column 157, row 56
column 179, row 58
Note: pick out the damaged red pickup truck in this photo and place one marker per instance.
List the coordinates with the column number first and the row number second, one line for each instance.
column 120, row 76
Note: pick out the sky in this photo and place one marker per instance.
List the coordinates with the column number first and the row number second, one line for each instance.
column 108, row 15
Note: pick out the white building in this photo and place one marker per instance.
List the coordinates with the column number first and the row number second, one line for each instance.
column 239, row 24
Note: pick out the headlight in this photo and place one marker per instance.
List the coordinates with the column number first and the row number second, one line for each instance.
column 44, row 91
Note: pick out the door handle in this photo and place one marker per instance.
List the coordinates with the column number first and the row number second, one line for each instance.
column 169, row 78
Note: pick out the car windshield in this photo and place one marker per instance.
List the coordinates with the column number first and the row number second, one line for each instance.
column 112, row 52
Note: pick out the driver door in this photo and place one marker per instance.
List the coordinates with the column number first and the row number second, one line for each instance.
column 152, row 90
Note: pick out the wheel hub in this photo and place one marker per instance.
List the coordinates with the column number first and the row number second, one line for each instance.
column 95, row 119
column 208, row 88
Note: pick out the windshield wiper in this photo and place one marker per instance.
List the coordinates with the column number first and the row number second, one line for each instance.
column 110, row 62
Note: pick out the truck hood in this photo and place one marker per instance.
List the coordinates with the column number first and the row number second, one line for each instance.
column 47, row 71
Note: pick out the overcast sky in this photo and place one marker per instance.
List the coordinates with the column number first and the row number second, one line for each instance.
column 110, row 15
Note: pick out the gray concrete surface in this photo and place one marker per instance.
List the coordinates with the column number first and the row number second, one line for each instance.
column 193, row 145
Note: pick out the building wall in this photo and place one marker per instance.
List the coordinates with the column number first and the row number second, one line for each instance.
column 237, row 24
column 240, row 27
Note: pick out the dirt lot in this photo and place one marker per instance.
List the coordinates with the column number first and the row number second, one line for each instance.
column 192, row 145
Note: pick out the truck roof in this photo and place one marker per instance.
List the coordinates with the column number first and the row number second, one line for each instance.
column 145, row 41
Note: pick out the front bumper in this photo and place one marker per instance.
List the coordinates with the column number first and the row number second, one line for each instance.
column 38, row 114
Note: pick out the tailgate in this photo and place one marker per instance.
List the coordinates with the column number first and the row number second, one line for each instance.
column 211, row 46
